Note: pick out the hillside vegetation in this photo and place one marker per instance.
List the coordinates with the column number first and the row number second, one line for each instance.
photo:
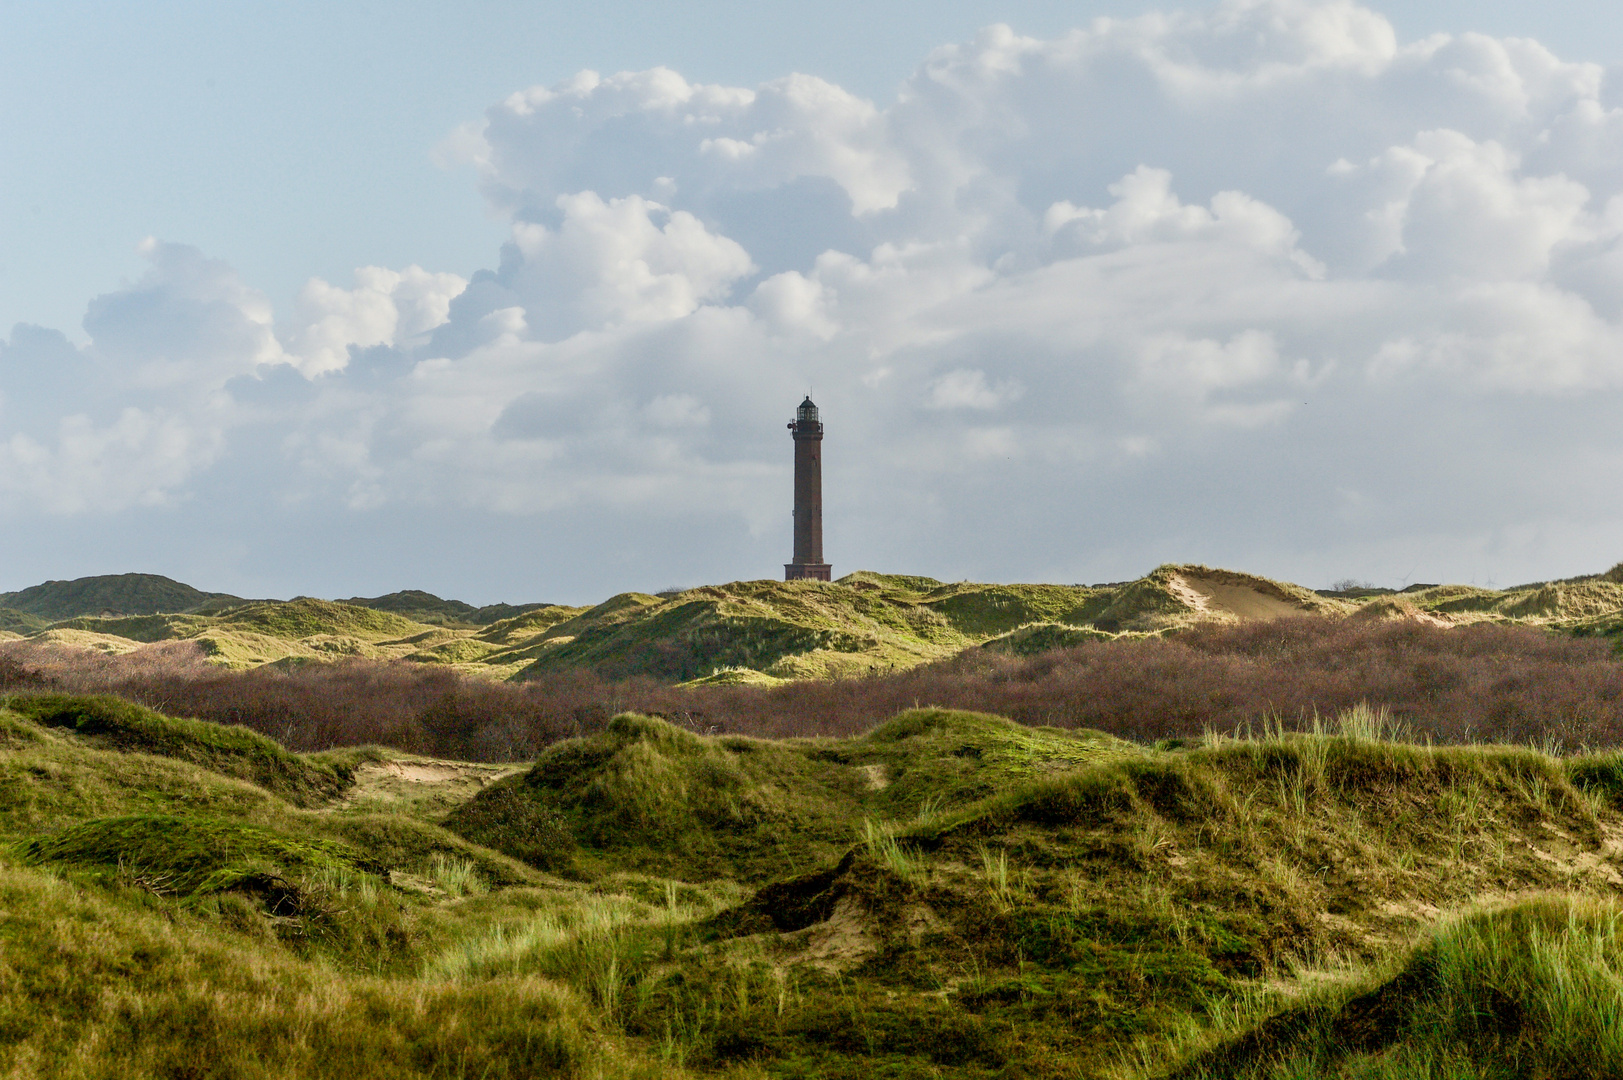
column 108, row 594
column 756, row 633
column 1485, row 681
column 949, row 894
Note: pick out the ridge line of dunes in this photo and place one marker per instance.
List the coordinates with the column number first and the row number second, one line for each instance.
column 758, row 633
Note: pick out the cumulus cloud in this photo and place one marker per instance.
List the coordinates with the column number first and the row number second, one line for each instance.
column 623, row 260
column 384, row 308
column 1192, row 244
column 139, row 458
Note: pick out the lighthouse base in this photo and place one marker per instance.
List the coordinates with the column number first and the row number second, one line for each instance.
column 808, row 571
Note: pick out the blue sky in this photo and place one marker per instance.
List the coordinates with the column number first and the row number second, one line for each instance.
column 987, row 315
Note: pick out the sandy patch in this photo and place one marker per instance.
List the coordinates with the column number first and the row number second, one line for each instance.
column 1395, row 609
column 424, row 772
column 429, row 782
column 1417, row 910
column 1227, row 600
column 1564, row 854
column 842, row 940
column 875, row 775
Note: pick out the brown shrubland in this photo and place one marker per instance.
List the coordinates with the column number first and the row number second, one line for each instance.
column 1483, row 683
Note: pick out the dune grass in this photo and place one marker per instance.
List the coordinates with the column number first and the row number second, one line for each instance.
column 648, row 795
column 949, row 894
column 186, row 856
column 105, row 721
column 95, row 988
column 1532, row 988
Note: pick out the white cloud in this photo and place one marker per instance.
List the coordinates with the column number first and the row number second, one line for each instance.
column 620, row 260
column 1146, row 212
column 969, row 390
column 139, row 459
column 593, row 132
column 386, row 307
column 188, row 320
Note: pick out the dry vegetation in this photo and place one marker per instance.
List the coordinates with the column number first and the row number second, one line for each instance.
column 1482, row 682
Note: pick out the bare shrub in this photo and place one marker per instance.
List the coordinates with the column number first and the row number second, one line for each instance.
column 1485, row 682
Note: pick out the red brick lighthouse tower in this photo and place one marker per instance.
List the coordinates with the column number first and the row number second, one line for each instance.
column 808, row 433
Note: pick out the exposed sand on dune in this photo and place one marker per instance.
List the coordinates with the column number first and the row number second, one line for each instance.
column 1397, row 609
column 1211, row 596
column 428, row 782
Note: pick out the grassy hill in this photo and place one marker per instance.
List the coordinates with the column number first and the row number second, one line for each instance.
column 861, row 624
column 947, row 895
column 108, row 594
column 755, row 631
column 424, row 607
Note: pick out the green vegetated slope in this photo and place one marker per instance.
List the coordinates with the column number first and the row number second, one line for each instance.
column 1041, row 903
column 772, row 630
column 1525, row 989
column 756, row 632
column 122, row 613
column 861, row 624
column 114, row 724
column 646, row 796
column 424, row 607
column 948, row 895
column 262, row 632
column 161, row 916
column 112, row 594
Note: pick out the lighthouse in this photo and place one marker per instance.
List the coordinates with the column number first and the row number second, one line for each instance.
column 808, row 434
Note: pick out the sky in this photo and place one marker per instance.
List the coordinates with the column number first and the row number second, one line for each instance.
column 511, row 301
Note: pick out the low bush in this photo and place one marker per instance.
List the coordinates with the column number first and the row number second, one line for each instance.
column 1474, row 683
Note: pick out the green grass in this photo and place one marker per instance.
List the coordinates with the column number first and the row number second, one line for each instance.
column 96, row 987
column 948, row 895
column 648, row 796
column 1533, row 988
column 187, row 856
column 863, row 624
column 112, row 723
column 21, row 622
column 401, row 841
column 49, row 779
column 1039, row 637
column 126, row 594
column 251, row 633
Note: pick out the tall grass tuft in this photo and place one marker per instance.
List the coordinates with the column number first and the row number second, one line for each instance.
column 456, row 877
column 1366, row 724
column 599, row 944
column 1550, row 971
column 995, row 868
column 880, row 841
column 1533, row 989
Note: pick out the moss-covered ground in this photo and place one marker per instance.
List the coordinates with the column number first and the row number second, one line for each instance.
column 947, row 895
